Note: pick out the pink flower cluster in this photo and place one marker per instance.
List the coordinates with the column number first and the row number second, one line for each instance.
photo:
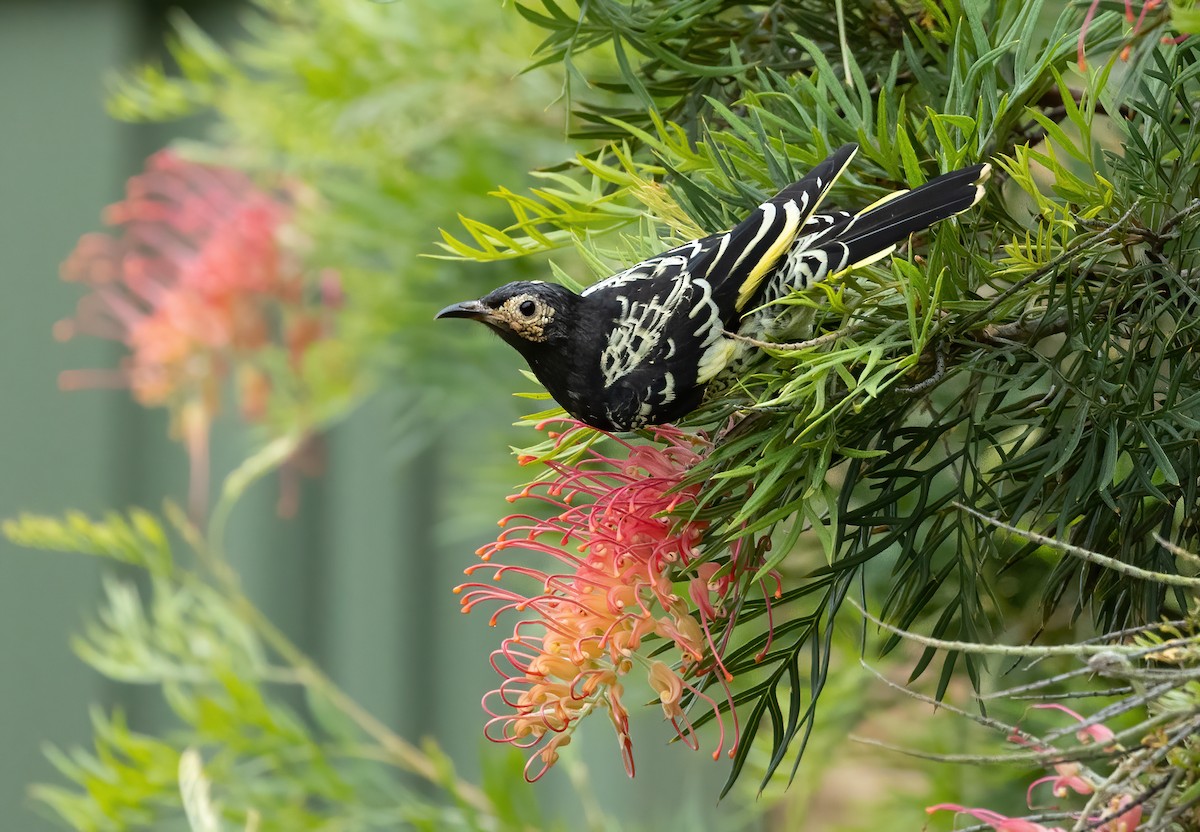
column 1123, row 815
column 623, row 548
column 198, row 284
column 1136, row 22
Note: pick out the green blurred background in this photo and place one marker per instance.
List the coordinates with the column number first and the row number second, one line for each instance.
column 360, row 578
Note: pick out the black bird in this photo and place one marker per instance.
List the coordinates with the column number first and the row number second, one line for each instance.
column 640, row 347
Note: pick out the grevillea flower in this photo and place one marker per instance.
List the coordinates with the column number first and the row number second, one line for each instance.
column 999, row 822
column 1123, row 815
column 1123, row 819
column 1136, row 22
column 198, row 283
column 1068, row 776
column 1092, row 733
column 620, row 536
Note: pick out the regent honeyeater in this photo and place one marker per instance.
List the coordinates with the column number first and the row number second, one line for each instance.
column 641, row 347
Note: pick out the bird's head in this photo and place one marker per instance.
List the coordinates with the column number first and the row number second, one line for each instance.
column 532, row 316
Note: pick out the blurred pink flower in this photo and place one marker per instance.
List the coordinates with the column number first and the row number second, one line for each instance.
column 622, row 547
column 196, row 282
column 1068, row 778
column 1137, row 22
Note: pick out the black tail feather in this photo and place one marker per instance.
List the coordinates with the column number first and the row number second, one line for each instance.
column 875, row 229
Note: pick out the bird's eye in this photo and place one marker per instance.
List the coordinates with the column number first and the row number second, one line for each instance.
column 527, row 308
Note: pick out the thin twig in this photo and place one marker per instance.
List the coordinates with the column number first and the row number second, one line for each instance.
column 1003, row 649
column 820, row 340
column 1157, row 816
column 1041, row 758
column 939, row 373
column 1136, row 630
column 1116, row 709
column 1028, row 739
column 1105, row 663
column 1069, row 695
column 985, row 721
column 1168, row 226
column 401, row 753
column 1178, row 811
column 1023, row 330
column 1175, row 549
column 1049, row 268
column 1084, row 554
column 1010, row 693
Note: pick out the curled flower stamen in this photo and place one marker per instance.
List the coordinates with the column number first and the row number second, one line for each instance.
column 632, row 565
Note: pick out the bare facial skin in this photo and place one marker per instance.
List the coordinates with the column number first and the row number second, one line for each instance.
column 526, row 315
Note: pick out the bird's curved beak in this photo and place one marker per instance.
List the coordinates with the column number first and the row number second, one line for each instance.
column 467, row 309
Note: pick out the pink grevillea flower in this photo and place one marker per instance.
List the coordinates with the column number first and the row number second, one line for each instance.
column 1122, row 821
column 999, row 822
column 623, row 544
column 1068, row 777
column 1092, row 733
column 1136, row 22
column 197, row 282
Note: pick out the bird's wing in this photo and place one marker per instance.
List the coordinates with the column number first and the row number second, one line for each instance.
column 662, row 321
column 735, row 262
column 660, row 267
column 738, row 260
column 840, row 241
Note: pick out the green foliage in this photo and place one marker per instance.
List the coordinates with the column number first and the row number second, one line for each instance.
column 1186, row 17
column 672, row 55
column 392, row 118
column 1036, row 362
column 137, row 539
column 226, row 673
column 1017, row 403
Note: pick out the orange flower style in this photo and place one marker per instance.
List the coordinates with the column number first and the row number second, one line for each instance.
column 625, row 552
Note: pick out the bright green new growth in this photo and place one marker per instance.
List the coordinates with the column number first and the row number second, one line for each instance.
column 225, row 671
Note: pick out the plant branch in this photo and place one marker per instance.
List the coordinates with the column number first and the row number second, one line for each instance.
column 1084, row 554
column 400, row 752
